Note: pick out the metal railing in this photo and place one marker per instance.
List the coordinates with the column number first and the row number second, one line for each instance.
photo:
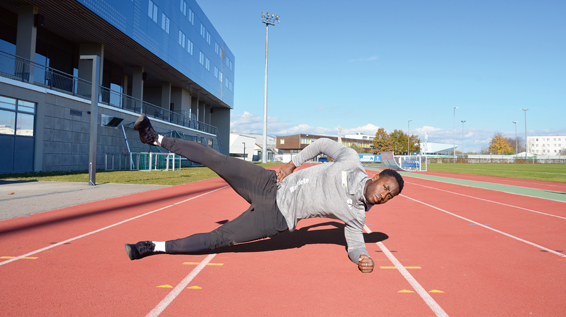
column 21, row 69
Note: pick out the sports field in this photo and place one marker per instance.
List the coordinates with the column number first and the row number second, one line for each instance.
column 543, row 172
column 441, row 249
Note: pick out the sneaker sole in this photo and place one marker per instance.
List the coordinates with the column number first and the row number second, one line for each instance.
column 139, row 121
column 129, row 251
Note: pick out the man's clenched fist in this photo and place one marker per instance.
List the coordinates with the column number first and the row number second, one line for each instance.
column 365, row 264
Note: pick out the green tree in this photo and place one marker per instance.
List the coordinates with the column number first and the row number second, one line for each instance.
column 500, row 145
column 399, row 141
column 382, row 142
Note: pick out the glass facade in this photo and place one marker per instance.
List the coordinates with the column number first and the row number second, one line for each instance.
column 173, row 30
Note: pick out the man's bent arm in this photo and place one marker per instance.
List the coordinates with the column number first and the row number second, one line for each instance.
column 324, row 146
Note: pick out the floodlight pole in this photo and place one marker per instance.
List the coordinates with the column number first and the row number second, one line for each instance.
column 454, row 133
column 515, row 122
column 268, row 20
column 244, row 143
column 408, row 136
column 526, row 143
column 93, row 116
column 463, row 121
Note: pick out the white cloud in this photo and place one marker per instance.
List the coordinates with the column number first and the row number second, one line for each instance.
column 364, row 59
column 368, row 129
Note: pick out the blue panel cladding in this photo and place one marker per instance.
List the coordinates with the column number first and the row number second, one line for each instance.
column 132, row 18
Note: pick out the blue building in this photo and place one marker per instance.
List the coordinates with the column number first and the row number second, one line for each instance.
column 159, row 57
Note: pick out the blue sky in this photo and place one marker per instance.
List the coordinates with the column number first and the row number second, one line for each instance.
column 362, row 65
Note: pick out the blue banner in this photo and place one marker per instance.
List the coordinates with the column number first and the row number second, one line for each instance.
column 370, row 158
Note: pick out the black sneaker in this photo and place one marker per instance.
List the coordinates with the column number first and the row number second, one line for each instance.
column 140, row 249
column 146, row 131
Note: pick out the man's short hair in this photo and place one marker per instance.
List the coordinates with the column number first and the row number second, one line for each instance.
column 392, row 173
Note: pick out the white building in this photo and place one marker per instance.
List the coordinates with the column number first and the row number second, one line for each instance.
column 242, row 146
column 253, row 147
column 433, row 148
column 546, row 145
column 359, row 136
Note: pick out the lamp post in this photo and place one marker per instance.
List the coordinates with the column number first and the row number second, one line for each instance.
column 463, row 137
column 268, row 20
column 408, row 137
column 244, row 143
column 526, row 149
column 515, row 122
column 454, row 133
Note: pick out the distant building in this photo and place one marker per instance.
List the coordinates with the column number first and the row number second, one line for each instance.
column 360, row 136
column 546, row 145
column 293, row 144
column 254, row 142
column 432, row 148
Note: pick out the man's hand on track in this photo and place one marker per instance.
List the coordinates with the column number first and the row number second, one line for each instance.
column 365, row 264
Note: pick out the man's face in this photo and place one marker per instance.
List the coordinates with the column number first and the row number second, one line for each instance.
column 379, row 190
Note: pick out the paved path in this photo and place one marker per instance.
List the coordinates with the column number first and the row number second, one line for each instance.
column 22, row 198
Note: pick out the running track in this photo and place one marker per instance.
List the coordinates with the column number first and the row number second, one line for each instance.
column 440, row 249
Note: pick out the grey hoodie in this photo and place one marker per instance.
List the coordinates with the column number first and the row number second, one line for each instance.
column 330, row 190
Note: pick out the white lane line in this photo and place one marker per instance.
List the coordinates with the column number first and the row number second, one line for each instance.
column 179, row 288
column 491, row 201
column 107, row 227
column 498, row 231
column 418, row 288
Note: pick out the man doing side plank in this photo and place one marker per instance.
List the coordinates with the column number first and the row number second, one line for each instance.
column 279, row 199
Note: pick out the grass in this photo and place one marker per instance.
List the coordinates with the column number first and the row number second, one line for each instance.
column 185, row 175
column 541, row 172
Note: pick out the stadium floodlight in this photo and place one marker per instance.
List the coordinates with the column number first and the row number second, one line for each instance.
column 463, row 137
column 454, row 133
column 515, row 122
column 526, row 143
column 408, row 137
column 268, row 20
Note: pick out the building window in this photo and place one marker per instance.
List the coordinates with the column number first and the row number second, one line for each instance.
column 189, row 46
column 282, row 141
column 152, row 11
column 16, row 117
column 191, row 16
column 215, row 72
column 201, row 58
column 202, row 31
column 165, row 23
column 216, row 48
column 208, row 37
column 182, row 38
column 184, row 7
column 207, row 63
column 306, row 141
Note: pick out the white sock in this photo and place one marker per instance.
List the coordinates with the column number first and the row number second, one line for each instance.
column 159, row 246
column 159, row 140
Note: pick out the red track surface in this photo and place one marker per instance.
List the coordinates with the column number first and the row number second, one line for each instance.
column 480, row 272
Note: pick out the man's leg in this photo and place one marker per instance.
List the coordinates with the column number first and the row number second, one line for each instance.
column 244, row 177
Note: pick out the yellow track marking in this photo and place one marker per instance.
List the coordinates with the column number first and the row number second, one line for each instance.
column 405, row 291
column 13, row 257
column 435, row 291
column 165, row 286
column 194, row 287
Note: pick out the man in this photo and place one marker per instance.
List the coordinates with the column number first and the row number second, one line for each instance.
column 279, row 199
